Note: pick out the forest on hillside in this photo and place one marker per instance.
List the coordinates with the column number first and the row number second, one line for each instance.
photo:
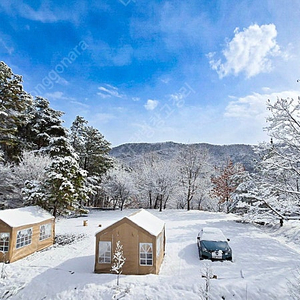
column 66, row 170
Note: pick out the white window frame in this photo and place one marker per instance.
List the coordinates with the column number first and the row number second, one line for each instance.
column 24, row 238
column 146, row 254
column 104, row 252
column 4, row 241
column 45, row 231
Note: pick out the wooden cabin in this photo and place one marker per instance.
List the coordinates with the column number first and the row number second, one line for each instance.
column 24, row 231
column 142, row 236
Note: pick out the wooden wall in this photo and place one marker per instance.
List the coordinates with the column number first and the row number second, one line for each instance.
column 14, row 253
column 129, row 235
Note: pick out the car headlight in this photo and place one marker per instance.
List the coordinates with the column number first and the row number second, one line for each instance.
column 227, row 251
column 204, row 249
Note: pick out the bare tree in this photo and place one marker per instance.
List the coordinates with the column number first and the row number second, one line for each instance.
column 226, row 182
column 13, row 177
column 119, row 186
column 278, row 170
column 156, row 179
column 145, row 180
column 118, row 261
column 193, row 168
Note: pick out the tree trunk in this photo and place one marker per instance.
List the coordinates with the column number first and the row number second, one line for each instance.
column 55, row 210
column 150, row 199
column 188, row 204
column 156, row 202
column 160, row 202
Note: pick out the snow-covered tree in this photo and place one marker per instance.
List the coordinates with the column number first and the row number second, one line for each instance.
column 156, row 180
column 13, row 176
column 194, row 169
column 118, row 260
column 7, row 190
column 14, row 104
column 78, row 135
column 277, row 186
column 119, row 186
column 46, row 124
column 225, row 183
column 165, row 176
column 92, row 150
column 65, row 186
column 91, row 147
column 32, row 166
column 145, row 180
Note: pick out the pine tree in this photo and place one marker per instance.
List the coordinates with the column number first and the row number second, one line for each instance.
column 78, row 136
column 91, row 147
column 44, row 125
column 14, row 106
column 65, row 186
column 92, row 150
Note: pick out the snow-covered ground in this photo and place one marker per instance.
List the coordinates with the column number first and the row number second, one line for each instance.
column 264, row 261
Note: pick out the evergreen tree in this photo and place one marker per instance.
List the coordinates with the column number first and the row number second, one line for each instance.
column 64, row 190
column 65, row 186
column 93, row 150
column 14, row 108
column 44, row 125
column 78, row 136
column 96, row 160
column 91, row 147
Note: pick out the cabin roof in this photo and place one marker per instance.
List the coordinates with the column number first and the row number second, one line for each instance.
column 25, row 215
column 145, row 220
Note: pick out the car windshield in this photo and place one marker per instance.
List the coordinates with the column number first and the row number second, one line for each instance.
column 213, row 245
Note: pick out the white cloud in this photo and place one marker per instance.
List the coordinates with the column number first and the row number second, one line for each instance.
column 8, row 49
column 246, row 116
column 250, row 51
column 103, row 117
column 151, row 104
column 46, row 13
column 109, row 91
column 253, row 107
column 77, row 103
column 57, row 96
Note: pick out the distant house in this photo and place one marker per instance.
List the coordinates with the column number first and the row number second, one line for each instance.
column 24, row 231
column 143, row 238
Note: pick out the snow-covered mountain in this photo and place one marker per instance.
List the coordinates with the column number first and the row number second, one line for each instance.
column 131, row 153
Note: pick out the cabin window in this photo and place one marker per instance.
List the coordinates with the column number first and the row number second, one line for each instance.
column 146, row 254
column 4, row 241
column 104, row 252
column 24, row 237
column 45, row 231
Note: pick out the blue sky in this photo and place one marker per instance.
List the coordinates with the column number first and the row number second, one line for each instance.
column 153, row 71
